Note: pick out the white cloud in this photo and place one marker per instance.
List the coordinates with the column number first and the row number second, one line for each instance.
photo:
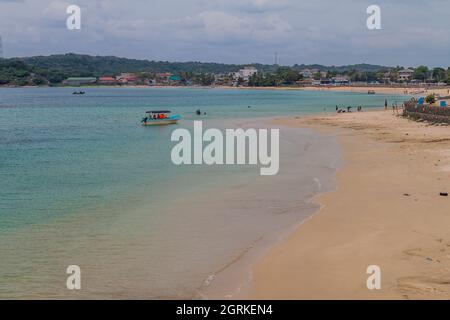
column 224, row 27
column 240, row 31
column 214, row 27
column 252, row 6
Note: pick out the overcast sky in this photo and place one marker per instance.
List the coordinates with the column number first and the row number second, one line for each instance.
column 328, row 32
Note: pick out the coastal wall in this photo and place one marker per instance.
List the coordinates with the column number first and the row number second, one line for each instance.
column 426, row 112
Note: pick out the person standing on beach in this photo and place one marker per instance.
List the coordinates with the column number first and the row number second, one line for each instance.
column 394, row 108
column 385, row 104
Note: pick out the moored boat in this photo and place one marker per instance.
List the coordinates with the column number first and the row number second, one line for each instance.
column 159, row 118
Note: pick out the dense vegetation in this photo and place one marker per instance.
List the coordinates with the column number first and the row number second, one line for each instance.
column 361, row 67
column 85, row 65
column 19, row 73
column 282, row 76
column 52, row 70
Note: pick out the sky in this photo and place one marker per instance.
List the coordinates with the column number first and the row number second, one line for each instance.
column 413, row 32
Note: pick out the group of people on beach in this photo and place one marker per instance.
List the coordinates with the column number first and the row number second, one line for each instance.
column 394, row 107
column 349, row 109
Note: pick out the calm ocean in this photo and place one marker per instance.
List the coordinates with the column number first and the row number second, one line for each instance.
column 81, row 182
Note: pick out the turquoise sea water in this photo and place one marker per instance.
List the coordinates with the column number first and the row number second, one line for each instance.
column 80, row 178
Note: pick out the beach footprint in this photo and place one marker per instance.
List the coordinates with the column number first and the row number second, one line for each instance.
column 424, row 286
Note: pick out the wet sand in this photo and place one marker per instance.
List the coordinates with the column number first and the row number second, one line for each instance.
column 387, row 211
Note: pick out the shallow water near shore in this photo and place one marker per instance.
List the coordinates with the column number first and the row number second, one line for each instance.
column 82, row 183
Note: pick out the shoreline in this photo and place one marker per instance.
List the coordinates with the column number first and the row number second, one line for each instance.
column 394, row 90
column 386, row 211
column 281, row 201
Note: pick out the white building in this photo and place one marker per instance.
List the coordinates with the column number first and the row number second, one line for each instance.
column 245, row 73
column 405, row 75
column 341, row 80
column 307, row 73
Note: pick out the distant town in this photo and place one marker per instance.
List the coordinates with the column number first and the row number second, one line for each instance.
column 83, row 70
column 250, row 76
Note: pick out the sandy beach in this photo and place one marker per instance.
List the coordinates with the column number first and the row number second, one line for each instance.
column 387, row 211
column 395, row 90
column 441, row 91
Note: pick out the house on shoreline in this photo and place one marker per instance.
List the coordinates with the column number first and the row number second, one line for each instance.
column 107, row 80
column 127, row 78
column 163, row 77
column 308, row 73
column 245, row 74
column 405, row 75
column 340, row 81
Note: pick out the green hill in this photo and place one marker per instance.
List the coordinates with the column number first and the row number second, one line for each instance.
column 85, row 65
column 54, row 69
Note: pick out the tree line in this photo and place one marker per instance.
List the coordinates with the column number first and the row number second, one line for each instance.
column 54, row 69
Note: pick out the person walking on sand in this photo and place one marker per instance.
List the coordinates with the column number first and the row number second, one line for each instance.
column 385, row 104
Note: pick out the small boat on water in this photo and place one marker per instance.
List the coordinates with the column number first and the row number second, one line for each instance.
column 371, row 92
column 159, row 118
column 79, row 92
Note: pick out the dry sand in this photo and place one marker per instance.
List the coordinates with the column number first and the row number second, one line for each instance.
column 442, row 91
column 395, row 90
column 386, row 211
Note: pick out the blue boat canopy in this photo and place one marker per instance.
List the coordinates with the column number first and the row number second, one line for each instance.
column 162, row 111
